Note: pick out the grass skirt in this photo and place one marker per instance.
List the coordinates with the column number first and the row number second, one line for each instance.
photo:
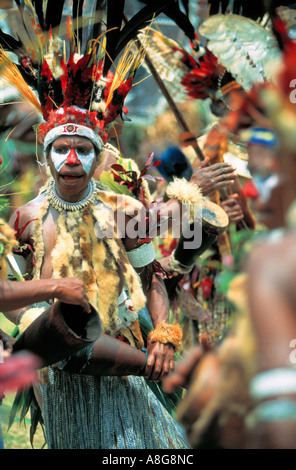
column 85, row 412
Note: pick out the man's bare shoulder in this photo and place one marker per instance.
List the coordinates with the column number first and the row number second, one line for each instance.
column 26, row 213
column 31, row 207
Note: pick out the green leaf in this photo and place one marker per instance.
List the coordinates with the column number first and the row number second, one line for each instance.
column 107, row 179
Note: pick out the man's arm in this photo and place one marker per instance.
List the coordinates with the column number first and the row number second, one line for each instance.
column 160, row 360
column 272, row 301
column 15, row 295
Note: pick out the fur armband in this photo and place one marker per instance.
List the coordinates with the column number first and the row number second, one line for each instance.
column 166, row 333
column 186, row 193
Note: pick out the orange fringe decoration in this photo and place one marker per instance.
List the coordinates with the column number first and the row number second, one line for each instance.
column 12, row 77
column 166, row 333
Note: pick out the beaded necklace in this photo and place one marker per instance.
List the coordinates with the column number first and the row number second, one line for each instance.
column 59, row 204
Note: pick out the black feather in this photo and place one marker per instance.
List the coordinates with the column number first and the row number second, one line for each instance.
column 139, row 21
column 39, row 12
column 185, row 4
column 114, row 20
column 53, row 15
column 9, row 43
column 239, row 7
column 29, row 78
column 181, row 19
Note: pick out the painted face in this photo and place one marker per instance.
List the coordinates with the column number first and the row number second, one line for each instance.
column 72, row 161
column 265, row 186
column 75, row 154
column 265, row 167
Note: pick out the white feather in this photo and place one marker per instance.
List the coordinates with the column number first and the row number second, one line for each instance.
column 245, row 48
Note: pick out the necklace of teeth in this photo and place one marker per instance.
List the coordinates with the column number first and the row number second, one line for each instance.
column 60, row 205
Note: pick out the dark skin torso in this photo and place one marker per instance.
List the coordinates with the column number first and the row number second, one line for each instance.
column 161, row 356
column 28, row 213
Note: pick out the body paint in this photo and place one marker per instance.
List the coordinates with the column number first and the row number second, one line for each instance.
column 60, row 159
column 265, row 186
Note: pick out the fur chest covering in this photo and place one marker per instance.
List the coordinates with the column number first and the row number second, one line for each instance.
column 99, row 261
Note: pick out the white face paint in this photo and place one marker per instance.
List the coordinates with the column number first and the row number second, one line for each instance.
column 266, row 185
column 63, row 155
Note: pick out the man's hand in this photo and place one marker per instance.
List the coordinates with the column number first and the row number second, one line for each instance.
column 160, row 361
column 19, row 371
column 165, row 263
column 233, row 209
column 71, row 291
column 214, row 177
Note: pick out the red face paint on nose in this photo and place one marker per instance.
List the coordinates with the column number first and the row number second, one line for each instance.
column 72, row 158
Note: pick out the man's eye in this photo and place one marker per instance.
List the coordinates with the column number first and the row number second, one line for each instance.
column 83, row 151
column 61, row 150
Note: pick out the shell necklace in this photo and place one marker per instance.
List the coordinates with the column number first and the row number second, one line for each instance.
column 60, row 205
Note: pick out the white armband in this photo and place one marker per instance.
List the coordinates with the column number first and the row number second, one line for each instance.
column 275, row 410
column 273, row 382
column 142, row 256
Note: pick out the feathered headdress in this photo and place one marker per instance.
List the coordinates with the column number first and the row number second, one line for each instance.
column 63, row 64
column 238, row 7
column 187, row 75
column 271, row 103
column 246, row 49
column 238, row 51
